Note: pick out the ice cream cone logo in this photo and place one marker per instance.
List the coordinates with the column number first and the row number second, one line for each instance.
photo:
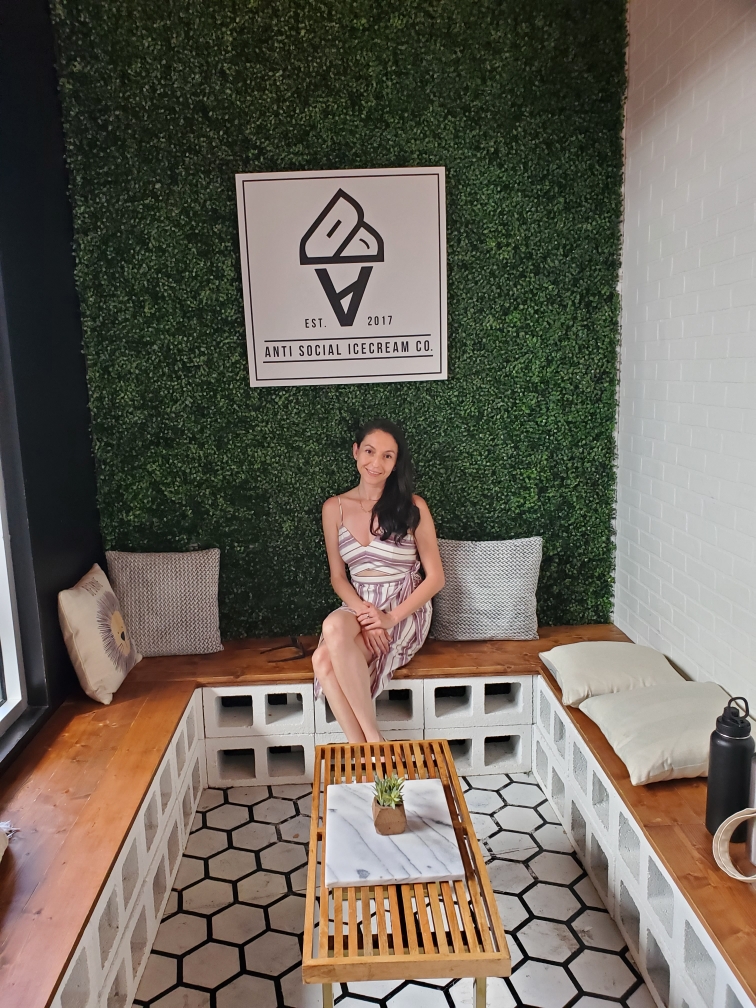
column 341, row 235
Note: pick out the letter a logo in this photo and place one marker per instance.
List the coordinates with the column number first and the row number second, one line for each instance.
column 340, row 234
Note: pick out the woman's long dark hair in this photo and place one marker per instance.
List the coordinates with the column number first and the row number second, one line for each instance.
column 395, row 514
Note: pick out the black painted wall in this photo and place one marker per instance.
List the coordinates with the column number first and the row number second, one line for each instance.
column 45, row 438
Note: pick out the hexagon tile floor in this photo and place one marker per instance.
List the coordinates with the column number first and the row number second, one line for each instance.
column 232, row 929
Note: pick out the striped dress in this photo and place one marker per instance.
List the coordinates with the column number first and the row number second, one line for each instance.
column 399, row 568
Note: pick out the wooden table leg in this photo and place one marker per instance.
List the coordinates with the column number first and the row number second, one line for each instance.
column 328, row 996
column 479, row 1000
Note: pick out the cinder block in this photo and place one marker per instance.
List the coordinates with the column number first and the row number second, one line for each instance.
column 600, row 802
column 325, row 719
column 398, row 708
column 559, row 736
column 234, row 711
column 131, row 868
column 108, row 961
column 545, row 705
column 465, row 747
column 173, row 841
column 139, row 938
column 194, row 720
column 505, row 750
column 167, row 781
column 656, row 966
column 259, row 759
column 557, row 792
column 157, row 886
column 80, row 985
column 478, row 702
column 541, row 760
column 188, row 734
column 151, row 818
column 576, row 826
column 629, row 846
column 118, row 988
column 108, row 919
column 487, row 750
column 134, row 947
column 186, row 804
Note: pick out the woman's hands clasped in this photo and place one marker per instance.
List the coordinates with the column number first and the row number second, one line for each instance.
column 377, row 641
column 372, row 618
column 375, row 624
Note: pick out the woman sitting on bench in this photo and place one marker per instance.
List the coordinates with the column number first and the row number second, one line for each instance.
column 385, row 534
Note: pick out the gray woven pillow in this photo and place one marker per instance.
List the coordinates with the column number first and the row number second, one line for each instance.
column 169, row 600
column 490, row 590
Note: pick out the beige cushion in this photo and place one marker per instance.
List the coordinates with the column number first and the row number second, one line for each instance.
column 170, row 600
column 592, row 668
column 95, row 634
column 660, row 732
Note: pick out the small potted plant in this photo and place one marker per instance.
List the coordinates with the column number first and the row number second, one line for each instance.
column 389, row 816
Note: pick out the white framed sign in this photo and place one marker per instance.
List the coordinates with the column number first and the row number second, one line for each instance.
column 344, row 275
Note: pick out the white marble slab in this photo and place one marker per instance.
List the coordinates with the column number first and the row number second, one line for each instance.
column 358, row 856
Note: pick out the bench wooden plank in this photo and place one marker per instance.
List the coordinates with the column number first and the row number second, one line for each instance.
column 250, row 661
column 96, row 773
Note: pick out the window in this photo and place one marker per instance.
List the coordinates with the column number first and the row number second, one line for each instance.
column 12, row 686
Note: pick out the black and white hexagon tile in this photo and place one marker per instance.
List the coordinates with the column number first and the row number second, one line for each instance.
column 232, row 930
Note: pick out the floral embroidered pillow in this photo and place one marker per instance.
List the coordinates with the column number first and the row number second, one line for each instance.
column 96, row 636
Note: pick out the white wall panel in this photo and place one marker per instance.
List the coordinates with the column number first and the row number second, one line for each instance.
column 686, row 518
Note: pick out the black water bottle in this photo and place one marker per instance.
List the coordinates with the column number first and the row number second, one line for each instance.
column 730, row 752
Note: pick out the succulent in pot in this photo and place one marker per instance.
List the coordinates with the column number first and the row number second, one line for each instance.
column 389, row 816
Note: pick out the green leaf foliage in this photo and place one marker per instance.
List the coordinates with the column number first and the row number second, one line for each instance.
column 521, row 102
column 389, row 791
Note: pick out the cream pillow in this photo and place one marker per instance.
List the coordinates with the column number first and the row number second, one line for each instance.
column 660, row 732
column 592, row 668
column 96, row 635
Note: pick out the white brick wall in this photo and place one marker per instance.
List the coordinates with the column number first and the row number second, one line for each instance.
column 686, row 525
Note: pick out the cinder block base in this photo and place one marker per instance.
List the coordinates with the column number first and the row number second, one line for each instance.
column 488, row 750
column 398, row 708
column 484, row 702
column 259, row 759
column 233, row 711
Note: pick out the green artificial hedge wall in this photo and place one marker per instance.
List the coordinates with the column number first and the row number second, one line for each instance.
column 165, row 100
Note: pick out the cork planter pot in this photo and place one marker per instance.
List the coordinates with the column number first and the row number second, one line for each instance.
column 389, row 821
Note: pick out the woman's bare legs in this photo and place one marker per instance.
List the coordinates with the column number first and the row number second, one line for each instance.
column 349, row 657
column 321, row 665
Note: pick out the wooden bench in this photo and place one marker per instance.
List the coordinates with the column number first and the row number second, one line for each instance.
column 74, row 792
column 669, row 818
column 76, row 789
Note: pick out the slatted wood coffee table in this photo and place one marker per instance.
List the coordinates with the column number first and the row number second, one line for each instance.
column 400, row 932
